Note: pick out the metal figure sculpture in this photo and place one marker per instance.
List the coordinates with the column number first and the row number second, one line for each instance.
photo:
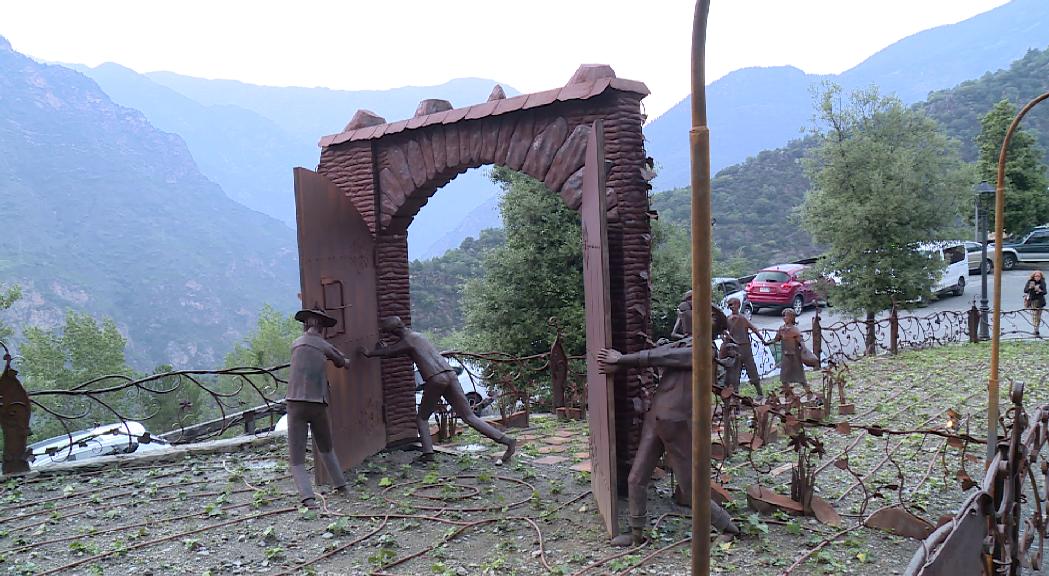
column 739, row 329
column 667, row 427
column 792, row 368
column 307, row 402
column 441, row 382
column 14, row 418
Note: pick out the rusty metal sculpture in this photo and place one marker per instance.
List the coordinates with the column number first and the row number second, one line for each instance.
column 14, row 418
column 667, row 427
column 992, row 534
column 792, row 367
column 441, row 382
column 739, row 330
column 307, row 402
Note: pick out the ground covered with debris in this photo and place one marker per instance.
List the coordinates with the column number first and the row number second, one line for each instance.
column 237, row 512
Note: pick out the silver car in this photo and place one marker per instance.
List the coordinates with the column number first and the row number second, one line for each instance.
column 725, row 289
column 973, row 251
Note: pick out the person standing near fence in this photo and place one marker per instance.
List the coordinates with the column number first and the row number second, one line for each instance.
column 307, row 402
column 1034, row 298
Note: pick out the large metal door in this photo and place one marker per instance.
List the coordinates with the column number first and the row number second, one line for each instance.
column 600, row 398
column 337, row 272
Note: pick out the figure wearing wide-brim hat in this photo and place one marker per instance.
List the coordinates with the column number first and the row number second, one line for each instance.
column 307, row 401
column 315, row 313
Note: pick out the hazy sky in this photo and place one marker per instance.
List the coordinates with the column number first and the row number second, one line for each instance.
column 530, row 45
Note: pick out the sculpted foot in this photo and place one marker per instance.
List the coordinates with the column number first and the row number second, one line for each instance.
column 424, row 458
column 636, row 537
column 511, row 446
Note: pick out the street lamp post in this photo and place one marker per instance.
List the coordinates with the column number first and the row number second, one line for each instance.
column 983, row 190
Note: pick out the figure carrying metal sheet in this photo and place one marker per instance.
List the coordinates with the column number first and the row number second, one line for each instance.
column 307, row 402
column 441, row 382
column 667, row 427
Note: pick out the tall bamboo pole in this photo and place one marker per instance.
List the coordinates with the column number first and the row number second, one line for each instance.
column 996, row 336
column 699, row 141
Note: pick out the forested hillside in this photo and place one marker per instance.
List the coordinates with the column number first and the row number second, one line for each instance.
column 437, row 284
column 105, row 214
column 753, row 205
column 753, row 202
column 960, row 109
column 757, row 109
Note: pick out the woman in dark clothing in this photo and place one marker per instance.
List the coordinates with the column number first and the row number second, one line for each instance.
column 1034, row 298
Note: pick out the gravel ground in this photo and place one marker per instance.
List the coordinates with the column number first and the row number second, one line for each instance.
column 236, row 512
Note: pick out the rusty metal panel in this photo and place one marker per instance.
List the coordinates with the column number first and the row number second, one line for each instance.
column 337, row 271
column 961, row 551
column 600, row 391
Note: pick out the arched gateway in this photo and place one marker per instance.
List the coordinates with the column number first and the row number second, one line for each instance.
column 354, row 213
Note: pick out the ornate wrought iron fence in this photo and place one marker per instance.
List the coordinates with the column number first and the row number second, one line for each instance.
column 1001, row 528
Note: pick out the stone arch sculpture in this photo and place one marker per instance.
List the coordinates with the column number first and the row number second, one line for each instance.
column 388, row 171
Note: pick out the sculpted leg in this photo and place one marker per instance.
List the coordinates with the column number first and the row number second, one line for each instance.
column 453, row 394
column 677, row 439
column 322, row 435
column 649, row 450
column 431, row 392
column 297, row 430
column 752, row 372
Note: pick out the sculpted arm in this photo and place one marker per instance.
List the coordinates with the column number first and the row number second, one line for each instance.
column 395, row 349
column 664, row 356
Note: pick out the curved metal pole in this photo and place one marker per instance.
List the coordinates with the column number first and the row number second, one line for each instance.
column 699, row 141
column 996, row 336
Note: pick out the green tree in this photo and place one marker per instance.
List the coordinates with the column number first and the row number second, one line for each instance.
column 268, row 345
column 1026, row 184
column 537, row 274
column 671, row 274
column 185, row 403
column 885, row 179
column 8, row 296
column 437, row 284
column 67, row 357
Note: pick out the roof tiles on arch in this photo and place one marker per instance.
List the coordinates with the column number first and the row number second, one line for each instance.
column 575, row 91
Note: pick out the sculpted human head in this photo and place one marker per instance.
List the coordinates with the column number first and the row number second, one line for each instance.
column 392, row 325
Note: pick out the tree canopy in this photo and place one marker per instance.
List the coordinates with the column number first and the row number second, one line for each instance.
column 1026, row 184
column 885, row 179
column 536, row 275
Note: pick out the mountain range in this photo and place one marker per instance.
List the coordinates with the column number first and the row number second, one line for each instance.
column 247, row 137
column 109, row 215
column 164, row 201
column 753, row 201
column 757, row 109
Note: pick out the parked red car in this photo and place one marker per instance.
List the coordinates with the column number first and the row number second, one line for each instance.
column 782, row 287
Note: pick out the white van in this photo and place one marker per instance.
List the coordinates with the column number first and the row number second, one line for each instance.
column 118, row 438
column 957, row 266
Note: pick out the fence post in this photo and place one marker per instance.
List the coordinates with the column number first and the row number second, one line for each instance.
column 974, row 324
column 817, row 335
column 871, row 340
column 894, row 329
column 558, row 374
